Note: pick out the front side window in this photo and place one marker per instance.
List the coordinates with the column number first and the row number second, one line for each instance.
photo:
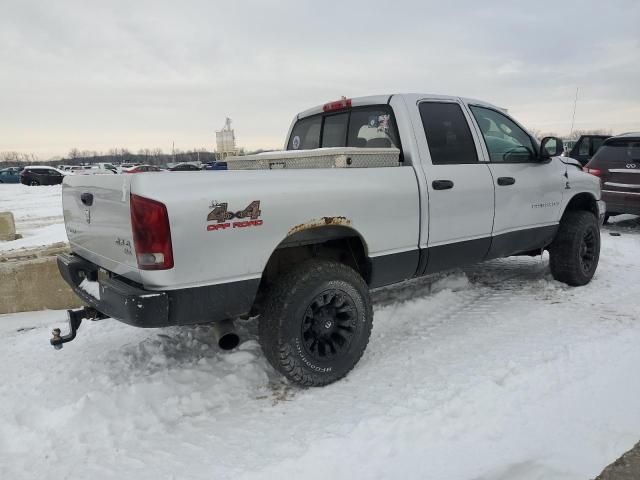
column 448, row 135
column 506, row 142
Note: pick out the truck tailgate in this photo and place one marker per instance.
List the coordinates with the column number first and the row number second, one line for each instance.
column 98, row 221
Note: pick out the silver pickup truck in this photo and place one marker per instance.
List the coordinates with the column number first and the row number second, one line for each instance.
column 369, row 192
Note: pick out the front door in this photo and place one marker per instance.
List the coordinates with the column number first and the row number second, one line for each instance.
column 528, row 192
column 459, row 186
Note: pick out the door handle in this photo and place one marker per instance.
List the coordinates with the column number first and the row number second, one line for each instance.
column 442, row 184
column 87, row 199
column 506, row 181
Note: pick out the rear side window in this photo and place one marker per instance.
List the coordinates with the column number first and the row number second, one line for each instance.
column 583, row 149
column 305, row 134
column 364, row 127
column 448, row 134
column 596, row 143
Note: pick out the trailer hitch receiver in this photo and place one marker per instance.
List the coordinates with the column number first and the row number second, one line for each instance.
column 75, row 319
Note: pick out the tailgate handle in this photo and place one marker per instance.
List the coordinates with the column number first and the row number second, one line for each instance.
column 87, row 199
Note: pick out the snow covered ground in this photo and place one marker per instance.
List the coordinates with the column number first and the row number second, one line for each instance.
column 497, row 372
column 37, row 212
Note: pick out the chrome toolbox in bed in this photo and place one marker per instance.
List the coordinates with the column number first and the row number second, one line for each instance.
column 341, row 157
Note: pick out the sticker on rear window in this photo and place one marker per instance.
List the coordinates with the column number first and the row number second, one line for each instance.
column 379, row 122
column 383, row 123
column 296, row 142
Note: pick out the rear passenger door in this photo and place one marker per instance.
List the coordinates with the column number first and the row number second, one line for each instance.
column 528, row 192
column 459, row 186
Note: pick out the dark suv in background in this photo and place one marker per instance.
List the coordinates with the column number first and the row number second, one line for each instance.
column 617, row 163
column 41, row 175
column 586, row 147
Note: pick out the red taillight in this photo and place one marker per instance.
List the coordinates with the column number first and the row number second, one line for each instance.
column 593, row 171
column 151, row 234
column 337, row 105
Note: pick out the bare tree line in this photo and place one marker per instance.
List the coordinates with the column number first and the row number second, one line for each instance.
column 156, row 156
column 153, row 156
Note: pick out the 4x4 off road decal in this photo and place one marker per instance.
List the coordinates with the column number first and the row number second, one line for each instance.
column 221, row 214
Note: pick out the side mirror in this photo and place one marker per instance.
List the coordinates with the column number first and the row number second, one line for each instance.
column 550, row 147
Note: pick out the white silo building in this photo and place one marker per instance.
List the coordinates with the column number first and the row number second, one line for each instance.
column 226, row 141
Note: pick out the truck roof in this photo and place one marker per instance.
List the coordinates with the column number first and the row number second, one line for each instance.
column 409, row 97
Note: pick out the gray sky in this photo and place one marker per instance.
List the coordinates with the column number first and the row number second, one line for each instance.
column 134, row 74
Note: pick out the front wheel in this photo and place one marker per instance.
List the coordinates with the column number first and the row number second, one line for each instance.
column 316, row 322
column 575, row 251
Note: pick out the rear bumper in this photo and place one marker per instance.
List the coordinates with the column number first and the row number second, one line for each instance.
column 139, row 307
column 622, row 202
column 118, row 299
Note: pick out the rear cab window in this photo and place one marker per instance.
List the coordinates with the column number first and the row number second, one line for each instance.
column 371, row 126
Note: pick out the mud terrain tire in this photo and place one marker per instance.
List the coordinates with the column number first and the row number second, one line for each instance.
column 316, row 322
column 575, row 251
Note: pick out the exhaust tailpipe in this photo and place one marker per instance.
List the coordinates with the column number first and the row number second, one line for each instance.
column 225, row 334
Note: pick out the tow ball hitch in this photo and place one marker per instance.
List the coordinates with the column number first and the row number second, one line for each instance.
column 75, row 319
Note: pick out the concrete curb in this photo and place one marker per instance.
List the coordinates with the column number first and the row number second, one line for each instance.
column 29, row 280
column 8, row 227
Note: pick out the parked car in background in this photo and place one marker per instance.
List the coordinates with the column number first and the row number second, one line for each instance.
column 185, row 167
column 41, row 175
column 105, row 166
column 92, row 170
column 216, row 166
column 617, row 163
column 142, row 169
column 586, row 147
column 10, row 175
column 126, row 166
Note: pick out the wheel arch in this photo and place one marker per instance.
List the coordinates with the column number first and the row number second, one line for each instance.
column 327, row 239
column 582, row 201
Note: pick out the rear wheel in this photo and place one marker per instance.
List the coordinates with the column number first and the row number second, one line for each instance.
column 316, row 322
column 34, row 183
column 575, row 251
